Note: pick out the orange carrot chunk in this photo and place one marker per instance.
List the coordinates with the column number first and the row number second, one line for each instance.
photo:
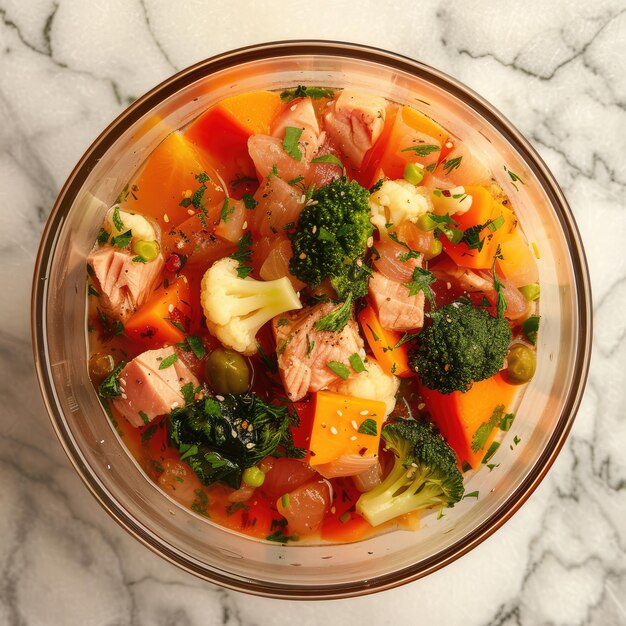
column 393, row 359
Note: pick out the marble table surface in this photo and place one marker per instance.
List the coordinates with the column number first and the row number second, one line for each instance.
column 557, row 69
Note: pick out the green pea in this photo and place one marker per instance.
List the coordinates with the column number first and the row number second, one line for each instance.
column 435, row 249
column 413, row 173
column 426, row 223
column 227, row 372
column 530, row 292
column 253, row 476
column 147, row 250
column 521, row 364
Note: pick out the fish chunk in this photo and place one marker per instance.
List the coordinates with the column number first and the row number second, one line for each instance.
column 354, row 122
column 300, row 114
column 304, row 352
column 124, row 284
column 148, row 391
column 397, row 309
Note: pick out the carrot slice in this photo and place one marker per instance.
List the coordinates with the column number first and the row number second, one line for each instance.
column 163, row 318
column 392, row 359
column 459, row 415
column 170, row 171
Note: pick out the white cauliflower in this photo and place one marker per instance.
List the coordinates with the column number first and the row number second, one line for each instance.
column 235, row 308
column 397, row 201
column 117, row 222
column 372, row 384
column 451, row 201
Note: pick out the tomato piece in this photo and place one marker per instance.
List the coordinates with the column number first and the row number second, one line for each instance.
column 342, row 523
column 304, row 508
column 285, row 475
column 161, row 318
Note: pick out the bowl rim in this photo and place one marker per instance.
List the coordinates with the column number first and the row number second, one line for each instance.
column 287, row 48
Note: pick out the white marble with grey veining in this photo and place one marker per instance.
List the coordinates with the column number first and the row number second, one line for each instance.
column 556, row 68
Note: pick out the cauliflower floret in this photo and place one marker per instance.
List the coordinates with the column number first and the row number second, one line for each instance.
column 235, row 308
column 397, row 201
column 372, row 384
column 140, row 227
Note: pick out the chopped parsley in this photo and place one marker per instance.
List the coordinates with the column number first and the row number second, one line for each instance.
column 422, row 150
column 144, row 418
column 497, row 285
column 328, row 158
column 280, row 537
column 339, row 368
column 290, row 142
column 188, row 392
column 117, row 220
column 243, row 255
column 248, row 201
column 103, row 237
column 310, row 344
column 336, row 320
column 368, row 427
column 492, row 450
column 471, row 494
column 168, row 361
column 315, row 93
column 452, row 164
column 227, row 210
column 376, row 186
column 357, row 363
column 479, row 440
column 514, row 178
column 530, row 327
column 121, row 241
column 421, row 281
column 196, row 345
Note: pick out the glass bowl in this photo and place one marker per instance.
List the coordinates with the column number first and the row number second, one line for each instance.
column 544, row 416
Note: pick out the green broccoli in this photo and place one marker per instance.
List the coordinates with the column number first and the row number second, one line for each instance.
column 424, row 474
column 464, row 344
column 330, row 239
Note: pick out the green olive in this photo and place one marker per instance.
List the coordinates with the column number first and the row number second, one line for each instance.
column 227, row 372
column 521, row 364
column 100, row 366
column 253, row 476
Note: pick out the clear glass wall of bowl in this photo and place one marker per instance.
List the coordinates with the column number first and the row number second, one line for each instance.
column 543, row 416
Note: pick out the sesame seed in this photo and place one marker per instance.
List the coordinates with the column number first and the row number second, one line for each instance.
column 333, row 510
column 449, row 285
column 359, row 263
column 302, row 255
column 333, row 430
column 292, row 108
column 353, row 438
column 124, row 396
column 166, row 218
column 302, row 199
column 190, row 212
column 363, row 412
column 244, row 225
column 449, row 144
column 354, row 425
column 170, row 308
column 219, row 188
column 233, row 433
column 187, row 193
column 174, row 404
column 180, row 244
column 339, row 413
column 314, row 229
column 220, row 398
column 250, row 445
column 421, row 406
column 370, row 242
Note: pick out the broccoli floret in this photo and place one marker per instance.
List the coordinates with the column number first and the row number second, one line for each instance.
column 464, row 344
column 235, row 308
column 331, row 236
column 424, row 474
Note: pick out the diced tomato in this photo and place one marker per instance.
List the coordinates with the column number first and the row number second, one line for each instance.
column 343, row 524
